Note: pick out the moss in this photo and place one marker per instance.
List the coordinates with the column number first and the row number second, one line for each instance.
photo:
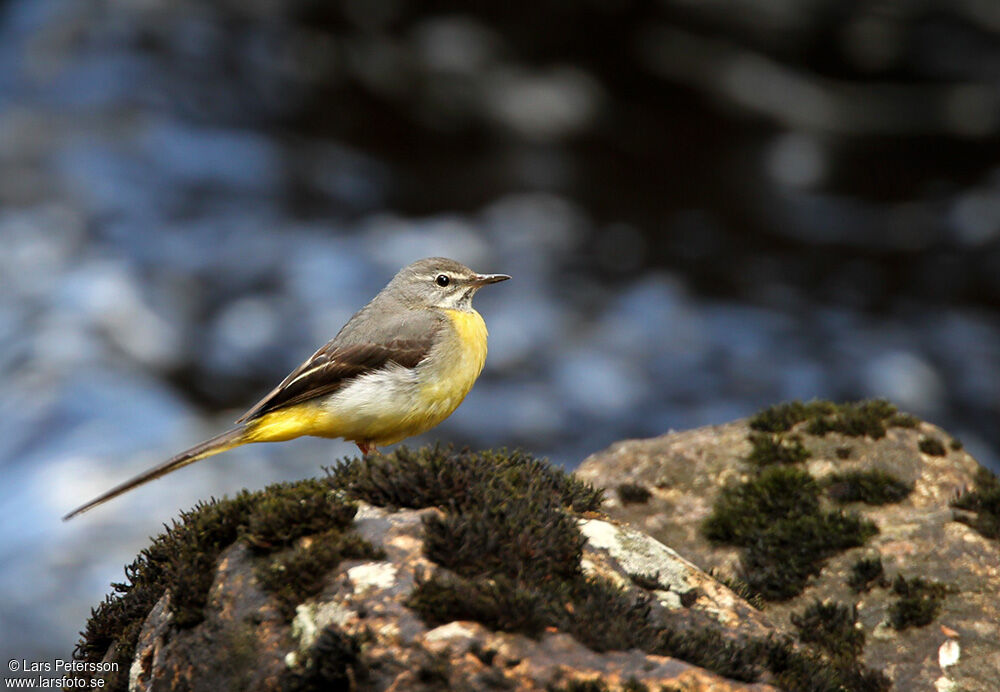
column 633, row 494
column 743, row 511
column 776, row 517
column 783, row 417
column 918, row 604
column 650, row 582
column 779, row 561
column 832, row 627
column 862, row 419
column 506, row 523
column 633, row 685
column 507, row 536
column 532, row 538
column 605, row 618
column 500, row 603
column 737, row 659
column 769, row 448
column 932, row 446
column 804, row 671
column 866, row 572
column 334, row 662
column 594, row 611
column 512, row 552
column 903, row 420
column 295, row 574
column 527, row 540
column 873, row 487
column 113, row 627
column 791, row 668
column 984, row 501
column 740, row 588
column 441, row 477
column 192, row 547
column 183, row 559
column 288, row 511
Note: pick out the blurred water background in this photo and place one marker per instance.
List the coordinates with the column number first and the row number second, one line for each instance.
column 706, row 206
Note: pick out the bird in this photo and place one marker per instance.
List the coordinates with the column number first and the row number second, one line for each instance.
column 401, row 365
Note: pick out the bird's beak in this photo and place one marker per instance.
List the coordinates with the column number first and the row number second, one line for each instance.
column 483, row 279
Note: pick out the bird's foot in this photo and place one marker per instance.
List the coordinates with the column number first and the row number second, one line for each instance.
column 367, row 448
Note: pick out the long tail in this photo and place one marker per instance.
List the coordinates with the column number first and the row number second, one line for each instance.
column 219, row 443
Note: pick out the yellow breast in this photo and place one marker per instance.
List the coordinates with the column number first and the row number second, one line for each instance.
column 440, row 383
column 461, row 357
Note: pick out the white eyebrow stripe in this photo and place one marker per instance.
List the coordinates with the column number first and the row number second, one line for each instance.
column 307, row 373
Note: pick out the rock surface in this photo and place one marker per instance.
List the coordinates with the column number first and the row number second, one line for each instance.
column 918, row 537
column 436, row 569
column 245, row 643
column 433, row 569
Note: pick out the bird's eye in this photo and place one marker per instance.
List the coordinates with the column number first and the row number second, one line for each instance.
column 442, row 280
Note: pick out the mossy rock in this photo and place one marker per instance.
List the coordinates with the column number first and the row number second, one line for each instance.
column 503, row 533
column 715, row 485
column 182, row 561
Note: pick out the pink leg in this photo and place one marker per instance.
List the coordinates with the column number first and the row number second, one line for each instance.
column 367, row 448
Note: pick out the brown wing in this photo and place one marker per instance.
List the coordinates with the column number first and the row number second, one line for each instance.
column 333, row 366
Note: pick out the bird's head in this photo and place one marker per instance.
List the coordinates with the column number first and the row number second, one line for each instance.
column 439, row 282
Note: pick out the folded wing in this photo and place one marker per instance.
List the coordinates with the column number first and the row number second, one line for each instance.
column 359, row 349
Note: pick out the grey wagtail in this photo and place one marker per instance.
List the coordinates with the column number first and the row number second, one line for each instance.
column 399, row 367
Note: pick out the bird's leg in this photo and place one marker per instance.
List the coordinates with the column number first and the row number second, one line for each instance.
column 367, row 448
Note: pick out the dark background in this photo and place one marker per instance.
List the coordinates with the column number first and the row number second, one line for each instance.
column 706, row 207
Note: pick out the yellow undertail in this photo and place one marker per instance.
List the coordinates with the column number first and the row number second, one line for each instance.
column 291, row 422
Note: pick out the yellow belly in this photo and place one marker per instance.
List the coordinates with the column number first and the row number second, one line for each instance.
column 391, row 405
